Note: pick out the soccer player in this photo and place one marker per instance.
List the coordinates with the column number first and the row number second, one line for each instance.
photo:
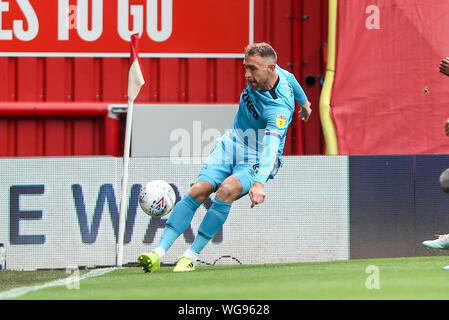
column 243, row 159
column 442, row 240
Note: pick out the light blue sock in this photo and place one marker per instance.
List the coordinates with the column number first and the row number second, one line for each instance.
column 179, row 221
column 212, row 222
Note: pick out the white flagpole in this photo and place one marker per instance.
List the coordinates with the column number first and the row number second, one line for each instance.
column 124, row 199
column 135, row 82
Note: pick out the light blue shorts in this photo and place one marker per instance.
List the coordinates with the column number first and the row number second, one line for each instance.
column 228, row 158
column 215, row 174
column 231, row 158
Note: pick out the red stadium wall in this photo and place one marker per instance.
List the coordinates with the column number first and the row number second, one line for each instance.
column 388, row 96
column 297, row 30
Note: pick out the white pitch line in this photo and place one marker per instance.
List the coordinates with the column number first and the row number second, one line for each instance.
column 17, row 292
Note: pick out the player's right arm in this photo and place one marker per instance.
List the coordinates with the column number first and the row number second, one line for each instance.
column 257, row 193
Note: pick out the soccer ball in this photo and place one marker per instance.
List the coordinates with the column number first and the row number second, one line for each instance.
column 157, row 198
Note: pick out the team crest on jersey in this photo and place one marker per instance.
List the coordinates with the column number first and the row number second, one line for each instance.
column 280, row 120
column 255, row 169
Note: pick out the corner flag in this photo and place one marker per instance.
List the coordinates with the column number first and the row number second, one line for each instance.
column 135, row 82
column 135, row 78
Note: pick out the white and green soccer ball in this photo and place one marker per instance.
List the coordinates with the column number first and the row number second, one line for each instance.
column 157, row 198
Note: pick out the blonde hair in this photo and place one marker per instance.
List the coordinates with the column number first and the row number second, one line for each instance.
column 262, row 49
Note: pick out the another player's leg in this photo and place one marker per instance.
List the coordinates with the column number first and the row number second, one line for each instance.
column 178, row 222
column 228, row 192
column 440, row 243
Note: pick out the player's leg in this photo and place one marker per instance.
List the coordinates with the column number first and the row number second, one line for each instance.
column 178, row 222
column 217, row 214
column 215, row 217
column 232, row 188
column 211, row 175
column 440, row 243
column 182, row 214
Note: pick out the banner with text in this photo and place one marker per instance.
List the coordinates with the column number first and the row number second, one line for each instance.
column 178, row 28
column 64, row 212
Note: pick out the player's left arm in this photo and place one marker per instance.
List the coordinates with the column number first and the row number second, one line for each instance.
column 277, row 124
column 305, row 112
column 298, row 93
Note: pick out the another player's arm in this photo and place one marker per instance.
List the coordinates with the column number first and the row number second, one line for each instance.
column 444, row 69
column 444, row 66
column 446, row 127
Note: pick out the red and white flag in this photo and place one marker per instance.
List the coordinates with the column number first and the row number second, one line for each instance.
column 135, row 77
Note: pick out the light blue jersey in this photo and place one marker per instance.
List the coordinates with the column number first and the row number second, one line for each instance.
column 252, row 149
column 267, row 113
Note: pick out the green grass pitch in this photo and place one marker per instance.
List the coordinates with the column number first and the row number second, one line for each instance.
column 396, row 278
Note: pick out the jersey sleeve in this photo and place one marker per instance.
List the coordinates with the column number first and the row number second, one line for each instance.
column 267, row 157
column 298, row 92
column 278, row 118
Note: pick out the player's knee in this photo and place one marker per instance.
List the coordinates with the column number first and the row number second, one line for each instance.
column 228, row 192
column 201, row 191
